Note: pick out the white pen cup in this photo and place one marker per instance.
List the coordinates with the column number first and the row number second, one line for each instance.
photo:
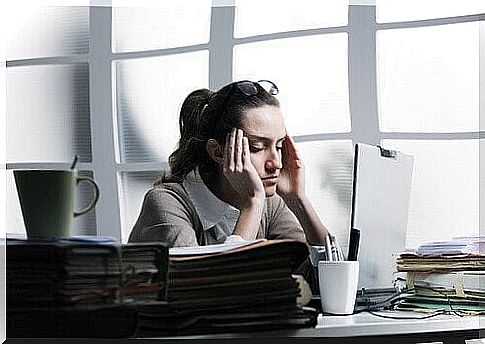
column 338, row 282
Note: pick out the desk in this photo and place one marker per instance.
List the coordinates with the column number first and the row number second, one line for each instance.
column 442, row 328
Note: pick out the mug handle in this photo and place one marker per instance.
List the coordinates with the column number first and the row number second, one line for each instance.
column 96, row 195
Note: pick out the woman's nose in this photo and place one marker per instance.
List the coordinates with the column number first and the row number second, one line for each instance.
column 274, row 161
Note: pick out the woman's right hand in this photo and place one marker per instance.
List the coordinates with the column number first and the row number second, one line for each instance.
column 239, row 170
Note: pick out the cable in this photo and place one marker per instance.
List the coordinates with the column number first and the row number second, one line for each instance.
column 398, row 296
column 438, row 312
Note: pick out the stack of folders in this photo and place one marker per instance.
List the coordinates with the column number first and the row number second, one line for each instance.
column 236, row 288
column 145, row 272
column 445, row 276
column 75, row 287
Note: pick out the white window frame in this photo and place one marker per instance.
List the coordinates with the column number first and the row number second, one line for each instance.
column 106, row 166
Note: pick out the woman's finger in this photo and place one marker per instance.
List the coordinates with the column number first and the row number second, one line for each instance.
column 290, row 152
column 238, row 150
column 230, row 150
column 246, row 158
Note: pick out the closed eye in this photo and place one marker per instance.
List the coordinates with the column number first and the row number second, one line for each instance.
column 254, row 149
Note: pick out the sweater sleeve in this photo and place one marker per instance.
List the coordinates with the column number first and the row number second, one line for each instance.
column 282, row 223
column 164, row 217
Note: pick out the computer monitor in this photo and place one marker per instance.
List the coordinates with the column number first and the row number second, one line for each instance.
column 380, row 204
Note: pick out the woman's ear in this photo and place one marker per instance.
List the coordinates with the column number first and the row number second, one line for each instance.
column 215, row 150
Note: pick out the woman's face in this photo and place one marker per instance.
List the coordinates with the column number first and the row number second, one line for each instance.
column 265, row 130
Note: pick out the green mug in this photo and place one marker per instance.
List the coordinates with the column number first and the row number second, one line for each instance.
column 47, row 200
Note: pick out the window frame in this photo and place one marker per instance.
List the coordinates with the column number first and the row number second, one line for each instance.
column 361, row 28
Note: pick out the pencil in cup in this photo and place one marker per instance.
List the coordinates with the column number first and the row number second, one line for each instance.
column 336, row 251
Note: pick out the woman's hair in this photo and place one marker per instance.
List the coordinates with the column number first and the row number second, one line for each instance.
column 209, row 115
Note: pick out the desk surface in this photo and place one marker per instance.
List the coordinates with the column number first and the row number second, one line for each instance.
column 366, row 324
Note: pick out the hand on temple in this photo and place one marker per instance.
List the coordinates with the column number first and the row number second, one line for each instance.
column 239, row 170
column 291, row 184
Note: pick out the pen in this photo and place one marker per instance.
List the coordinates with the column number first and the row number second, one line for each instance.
column 354, row 244
column 328, row 248
column 336, row 248
column 333, row 247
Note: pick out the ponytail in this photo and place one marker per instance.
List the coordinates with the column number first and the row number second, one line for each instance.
column 184, row 159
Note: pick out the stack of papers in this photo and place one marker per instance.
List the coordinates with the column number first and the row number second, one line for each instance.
column 59, row 273
column 445, row 276
column 61, row 287
column 235, row 287
column 145, row 272
column 459, row 245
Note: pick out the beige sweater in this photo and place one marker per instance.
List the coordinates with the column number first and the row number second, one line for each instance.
column 168, row 215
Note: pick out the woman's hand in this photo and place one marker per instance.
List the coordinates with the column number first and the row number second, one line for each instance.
column 291, row 187
column 291, row 183
column 239, row 170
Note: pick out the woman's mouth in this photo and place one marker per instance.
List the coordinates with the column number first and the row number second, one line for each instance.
column 270, row 181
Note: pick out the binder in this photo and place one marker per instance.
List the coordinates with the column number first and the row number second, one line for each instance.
column 380, row 205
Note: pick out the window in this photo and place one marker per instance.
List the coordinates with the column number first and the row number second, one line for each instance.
column 48, row 117
column 109, row 87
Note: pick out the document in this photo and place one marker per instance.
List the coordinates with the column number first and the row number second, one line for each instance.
column 210, row 249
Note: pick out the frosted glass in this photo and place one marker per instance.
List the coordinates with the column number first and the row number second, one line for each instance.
column 428, row 78
column 149, row 94
column 311, row 74
column 328, row 183
column 167, row 24
column 48, row 113
column 81, row 225
column 255, row 17
column 134, row 186
column 43, row 31
column 404, row 10
column 445, row 190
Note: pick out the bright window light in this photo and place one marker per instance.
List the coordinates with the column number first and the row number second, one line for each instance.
column 428, row 78
column 149, row 94
column 445, row 189
column 159, row 25
column 256, row 17
column 43, row 31
column 311, row 74
column 48, row 113
column 407, row 10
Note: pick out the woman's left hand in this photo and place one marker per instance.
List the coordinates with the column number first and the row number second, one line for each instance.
column 291, row 183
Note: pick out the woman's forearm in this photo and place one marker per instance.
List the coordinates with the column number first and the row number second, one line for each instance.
column 247, row 225
column 314, row 229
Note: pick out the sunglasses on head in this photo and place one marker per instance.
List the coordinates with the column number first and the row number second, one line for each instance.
column 250, row 88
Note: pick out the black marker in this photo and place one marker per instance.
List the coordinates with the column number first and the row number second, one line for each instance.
column 354, row 244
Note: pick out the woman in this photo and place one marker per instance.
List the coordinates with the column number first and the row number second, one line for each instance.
column 236, row 175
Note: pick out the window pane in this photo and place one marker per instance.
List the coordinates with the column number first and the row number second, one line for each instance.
column 254, row 17
column 314, row 100
column 428, row 78
column 42, row 31
column 150, row 93
column 166, row 24
column 81, row 225
column 404, row 10
column 48, row 113
column 445, row 189
column 134, row 186
column 328, row 183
